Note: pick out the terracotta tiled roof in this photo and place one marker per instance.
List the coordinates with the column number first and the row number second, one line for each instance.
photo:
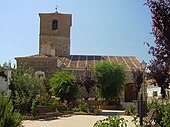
column 150, row 81
column 82, row 61
column 36, row 56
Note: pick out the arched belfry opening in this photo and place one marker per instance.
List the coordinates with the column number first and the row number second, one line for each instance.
column 55, row 24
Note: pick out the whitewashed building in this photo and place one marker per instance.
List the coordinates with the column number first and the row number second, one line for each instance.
column 153, row 91
column 5, row 81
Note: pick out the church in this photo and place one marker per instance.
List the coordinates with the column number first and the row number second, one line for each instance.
column 54, row 51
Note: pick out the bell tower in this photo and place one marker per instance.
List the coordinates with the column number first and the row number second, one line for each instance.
column 55, row 34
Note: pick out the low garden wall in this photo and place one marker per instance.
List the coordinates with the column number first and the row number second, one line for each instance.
column 105, row 105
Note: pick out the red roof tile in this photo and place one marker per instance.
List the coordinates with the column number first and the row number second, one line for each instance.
column 82, row 61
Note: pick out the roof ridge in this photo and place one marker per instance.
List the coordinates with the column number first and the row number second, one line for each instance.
column 102, row 55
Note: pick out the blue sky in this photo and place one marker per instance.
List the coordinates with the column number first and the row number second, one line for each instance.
column 99, row 27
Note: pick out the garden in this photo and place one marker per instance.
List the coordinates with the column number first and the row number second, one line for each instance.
column 37, row 98
column 34, row 97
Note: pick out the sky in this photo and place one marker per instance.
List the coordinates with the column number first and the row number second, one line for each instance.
column 99, row 27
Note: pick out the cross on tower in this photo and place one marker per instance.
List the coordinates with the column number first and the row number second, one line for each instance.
column 56, row 8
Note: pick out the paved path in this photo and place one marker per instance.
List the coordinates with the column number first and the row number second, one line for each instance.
column 75, row 120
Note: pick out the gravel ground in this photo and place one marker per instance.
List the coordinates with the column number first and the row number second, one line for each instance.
column 75, row 120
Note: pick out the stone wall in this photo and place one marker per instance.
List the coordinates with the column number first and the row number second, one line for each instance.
column 64, row 24
column 55, row 42
column 55, row 45
column 46, row 65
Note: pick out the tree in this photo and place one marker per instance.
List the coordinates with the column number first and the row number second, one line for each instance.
column 24, row 88
column 86, row 80
column 110, row 79
column 25, row 83
column 63, row 85
column 8, row 117
column 47, row 86
column 159, row 65
column 138, row 79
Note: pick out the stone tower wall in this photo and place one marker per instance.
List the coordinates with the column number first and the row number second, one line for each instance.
column 55, row 45
column 55, row 42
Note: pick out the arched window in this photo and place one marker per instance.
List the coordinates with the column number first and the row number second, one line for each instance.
column 54, row 24
column 40, row 74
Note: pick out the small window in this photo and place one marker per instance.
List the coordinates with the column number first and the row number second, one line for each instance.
column 54, row 24
column 155, row 93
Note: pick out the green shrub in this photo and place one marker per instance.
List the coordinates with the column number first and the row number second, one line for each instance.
column 162, row 116
column 152, row 104
column 63, row 85
column 111, row 121
column 46, row 100
column 131, row 108
column 33, row 108
column 43, row 100
column 8, row 117
column 135, row 120
column 25, row 86
column 82, row 107
column 22, row 104
column 25, row 83
column 54, row 103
